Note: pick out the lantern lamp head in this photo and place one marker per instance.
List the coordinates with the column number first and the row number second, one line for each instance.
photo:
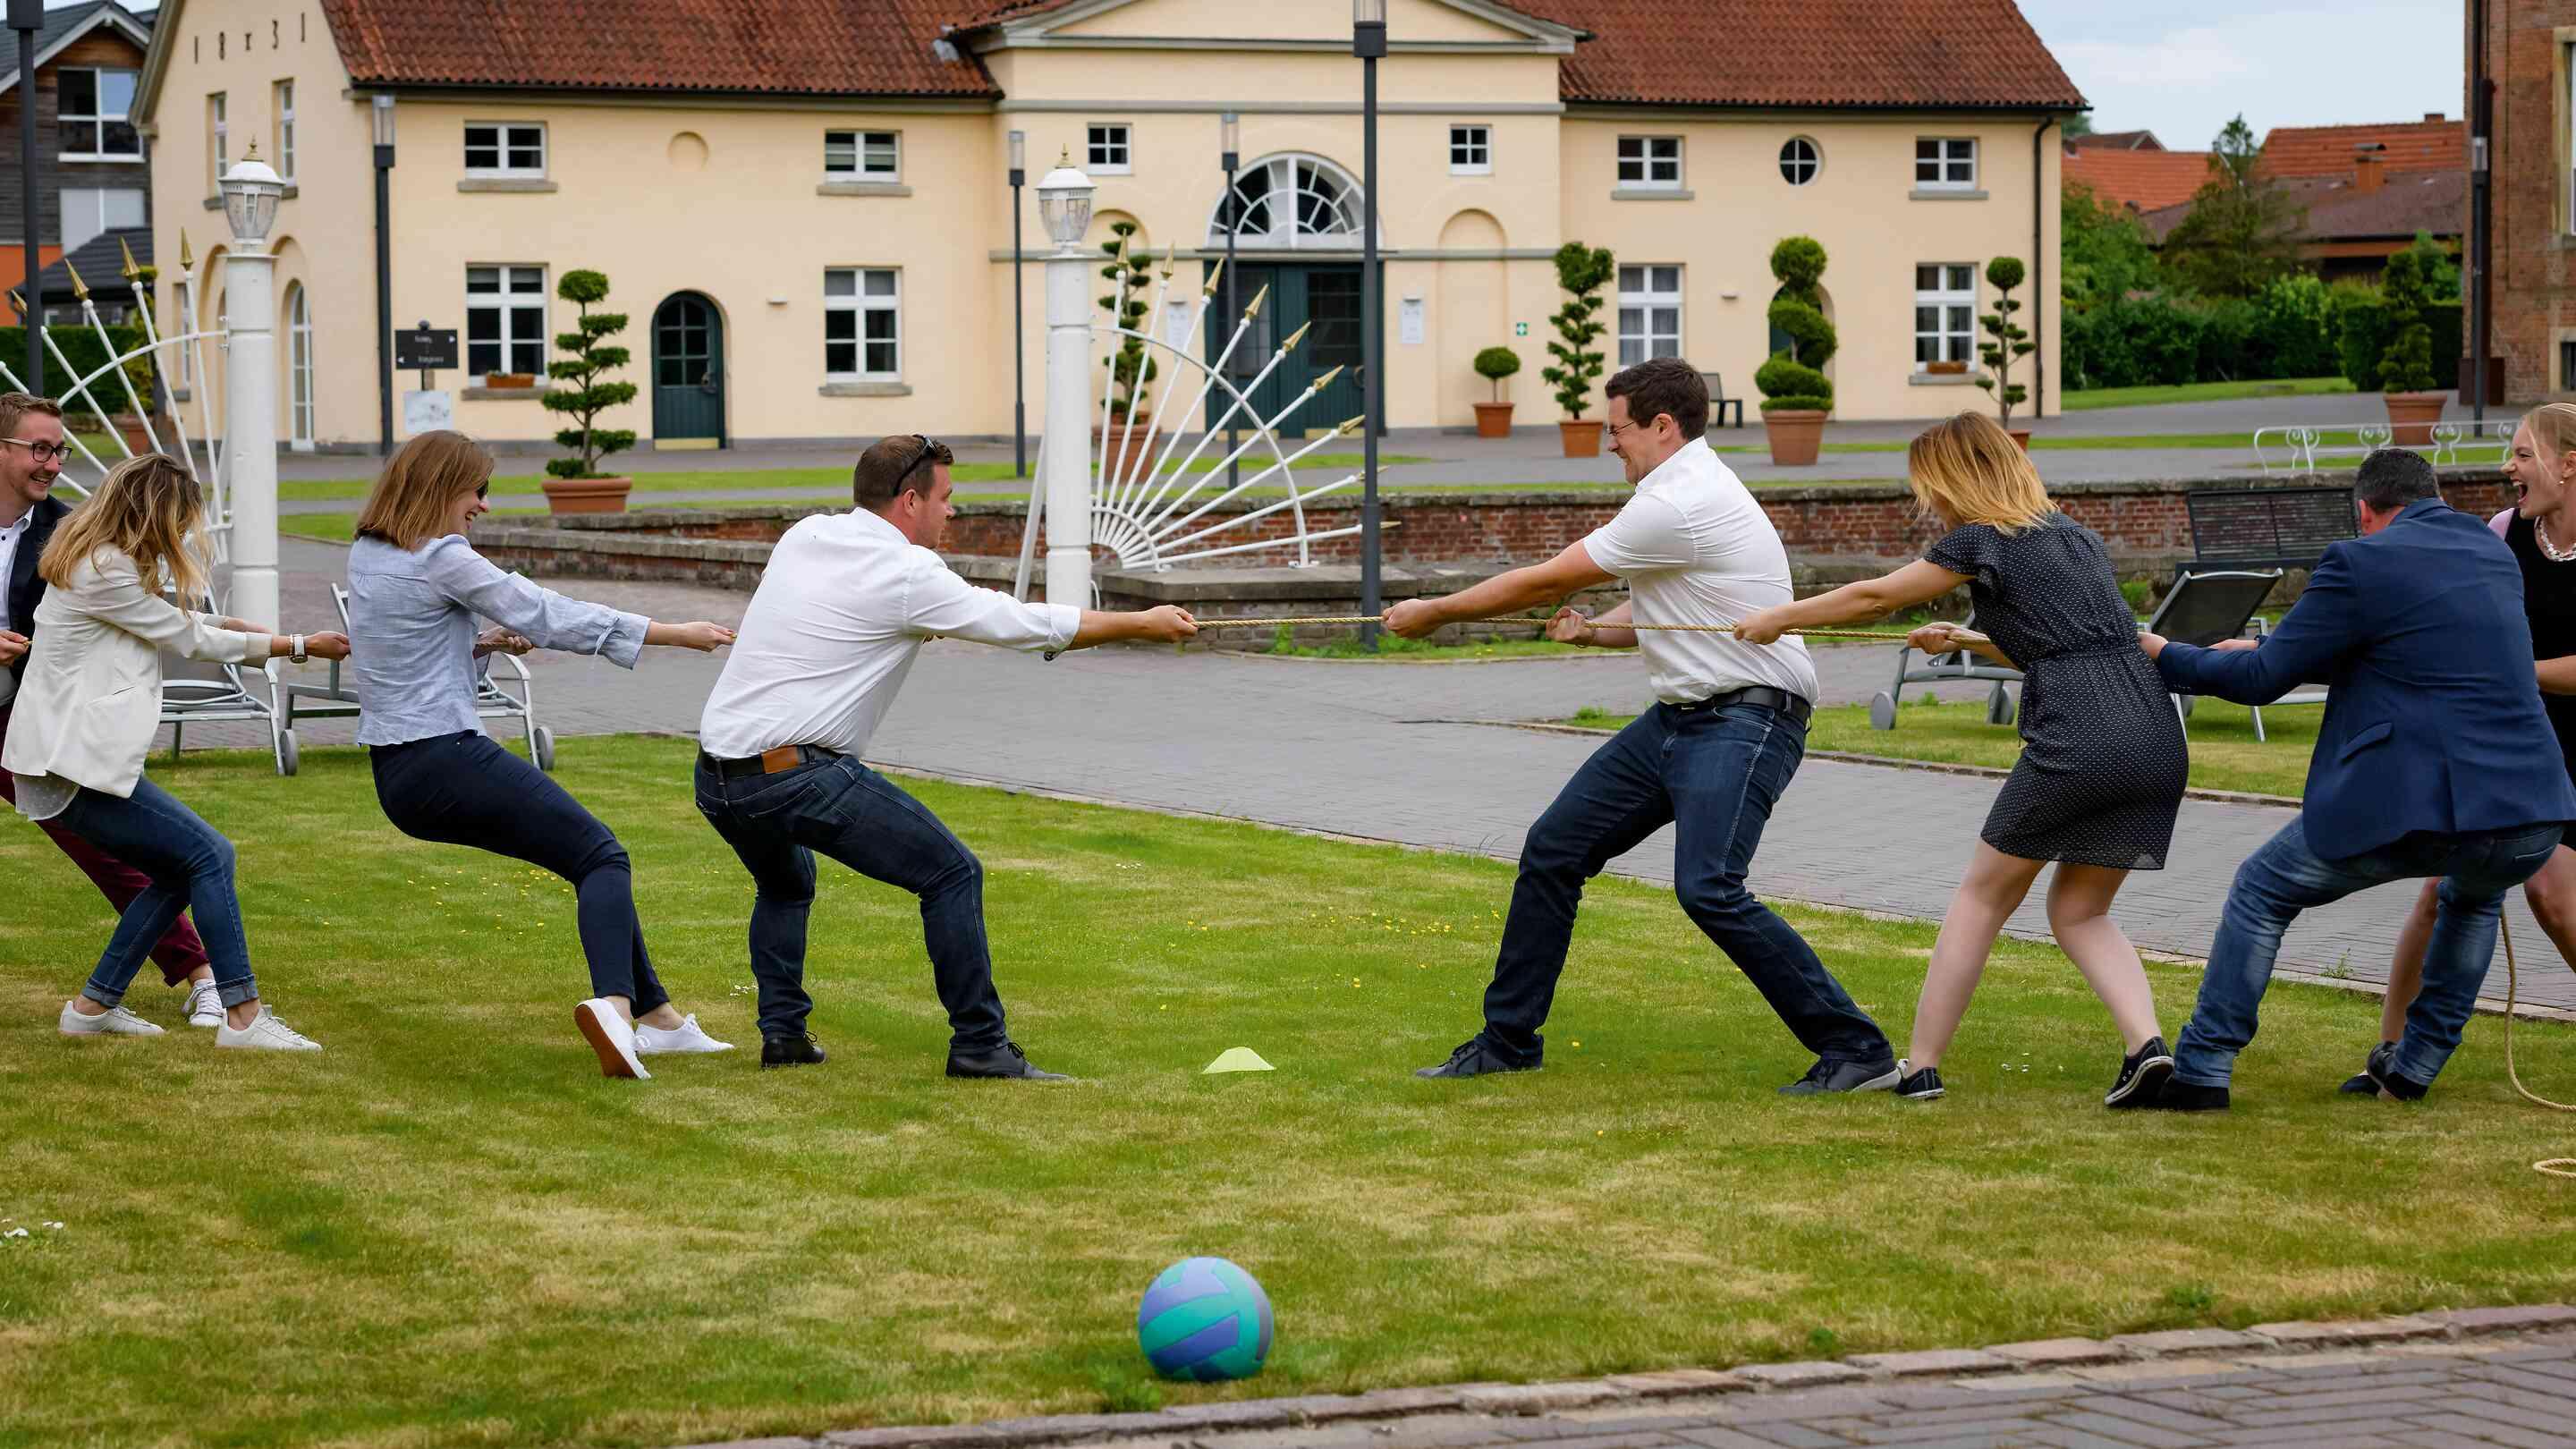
column 1064, row 203
column 251, row 191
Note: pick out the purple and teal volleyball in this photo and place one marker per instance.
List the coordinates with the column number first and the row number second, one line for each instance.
column 1204, row 1319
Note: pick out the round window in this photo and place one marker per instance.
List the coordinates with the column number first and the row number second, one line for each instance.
column 1800, row 161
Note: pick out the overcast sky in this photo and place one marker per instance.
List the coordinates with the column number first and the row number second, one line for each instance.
column 2181, row 68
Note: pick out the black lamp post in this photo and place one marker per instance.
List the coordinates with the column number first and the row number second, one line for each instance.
column 27, row 17
column 1230, row 156
column 1368, row 42
column 1019, row 316
column 382, row 111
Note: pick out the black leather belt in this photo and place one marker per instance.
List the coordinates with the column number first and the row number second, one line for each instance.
column 1795, row 706
column 768, row 762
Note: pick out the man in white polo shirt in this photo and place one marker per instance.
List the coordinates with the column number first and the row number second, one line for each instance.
column 1710, row 759
column 841, row 611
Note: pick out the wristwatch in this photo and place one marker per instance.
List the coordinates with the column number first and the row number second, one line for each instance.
column 295, row 650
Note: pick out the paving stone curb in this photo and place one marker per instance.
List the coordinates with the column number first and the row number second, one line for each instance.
column 2202, row 1353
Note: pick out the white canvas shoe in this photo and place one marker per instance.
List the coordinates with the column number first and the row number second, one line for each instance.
column 265, row 1033
column 205, row 1006
column 686, row 1039
column 116, row 1021
column 612, row 1036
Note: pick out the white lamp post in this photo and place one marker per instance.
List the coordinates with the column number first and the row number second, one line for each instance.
column 1064, row 208
column 251, row 191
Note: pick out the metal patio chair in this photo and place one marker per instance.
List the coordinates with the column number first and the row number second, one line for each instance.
column 333, row 699
column 2001, row 705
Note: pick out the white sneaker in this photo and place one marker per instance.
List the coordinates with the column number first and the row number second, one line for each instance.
column 686, row 1039
column 265, row 1033
column 115, row 1021
column 610, row 1035
column 205, row 1006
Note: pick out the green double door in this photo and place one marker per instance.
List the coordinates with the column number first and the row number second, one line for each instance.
column 1326, row 296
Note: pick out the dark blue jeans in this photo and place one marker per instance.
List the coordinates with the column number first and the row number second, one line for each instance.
column 464, row 789
column 844, row 810
column 191, row 867
column 1714, row 775
column 2285, row 877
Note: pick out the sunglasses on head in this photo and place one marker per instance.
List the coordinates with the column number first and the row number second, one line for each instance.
column 931, row 452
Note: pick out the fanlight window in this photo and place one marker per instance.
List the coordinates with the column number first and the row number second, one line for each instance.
column 1296, row 202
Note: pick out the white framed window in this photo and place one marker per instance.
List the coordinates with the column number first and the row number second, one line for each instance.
column 862, row 324
column 505, row 320
column 299, row 369
column 1109, row 151
column 505, row 148
column 1293, row 202
column 1471, row 150
column 1650, row 313
column 1801, row 160
column 282, row 99
column 863, row 155
column 89, row 210
column 1945, row 163
column 93, row 114
column 218, row 140
column 1945, row 313
column 1650, row 162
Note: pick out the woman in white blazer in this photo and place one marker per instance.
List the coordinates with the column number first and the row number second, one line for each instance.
column 85, row 714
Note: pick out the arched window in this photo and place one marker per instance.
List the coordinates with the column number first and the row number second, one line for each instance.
column 299, row 367
column 1290, row 202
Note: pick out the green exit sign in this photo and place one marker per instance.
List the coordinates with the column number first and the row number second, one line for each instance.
column 1520, row 329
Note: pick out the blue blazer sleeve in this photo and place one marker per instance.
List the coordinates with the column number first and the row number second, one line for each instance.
column 2329, row 622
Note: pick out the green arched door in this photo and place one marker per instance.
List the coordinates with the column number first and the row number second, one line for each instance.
column 688, row 373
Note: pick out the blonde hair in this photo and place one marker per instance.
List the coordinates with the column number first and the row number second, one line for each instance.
column 2553, row 429
column 408, row 506
column 148, row 508
column 1969, row 470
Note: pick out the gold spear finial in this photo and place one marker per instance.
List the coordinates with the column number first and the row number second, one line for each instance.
column 251, row 154
column 1350, row 426
column 1294, row 338
column 1171, row 258
column 187, row 259
column 1257, row 298
column 1209, row 292
column 80, row 289
column 17, row 301
column 1325, row 381
column 131, row 272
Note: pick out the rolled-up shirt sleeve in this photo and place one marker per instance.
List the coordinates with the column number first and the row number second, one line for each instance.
column 937, row 601
column 549, row 619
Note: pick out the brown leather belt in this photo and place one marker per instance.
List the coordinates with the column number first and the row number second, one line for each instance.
column 768, row 762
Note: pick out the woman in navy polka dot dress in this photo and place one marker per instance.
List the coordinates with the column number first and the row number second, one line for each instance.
column 2100, row 778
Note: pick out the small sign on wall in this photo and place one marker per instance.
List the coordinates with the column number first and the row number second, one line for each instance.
column 1408, row 322
column 428, row 410
column 1520, row 329
column 1176, row 326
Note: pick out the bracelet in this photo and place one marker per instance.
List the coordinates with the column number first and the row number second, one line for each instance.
column 295, row 650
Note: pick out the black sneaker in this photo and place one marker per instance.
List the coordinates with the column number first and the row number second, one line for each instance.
column 2359, row 1083
column 2142, row 1076
column 800, row 1050
column 2384, row 1076
column 1004, row 1061
column 1827, row 1076
column 1918, row 1086
column 1477, row 1057
column 2178, row 1095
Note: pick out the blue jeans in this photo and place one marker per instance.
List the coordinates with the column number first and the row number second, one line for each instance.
column 2285, row 877
column 841, row 808
column 191, row 867
column 1714, row 774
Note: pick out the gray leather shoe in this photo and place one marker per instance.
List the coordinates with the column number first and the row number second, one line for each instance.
column 1476, row 1057
column 1843, row 1077
column 1004, row 1061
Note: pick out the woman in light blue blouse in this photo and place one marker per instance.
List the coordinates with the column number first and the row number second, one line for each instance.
column 416, row 588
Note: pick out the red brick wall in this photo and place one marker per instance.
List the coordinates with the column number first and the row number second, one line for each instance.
column 2534, row 292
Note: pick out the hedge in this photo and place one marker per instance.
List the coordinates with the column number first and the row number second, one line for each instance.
column 81, row 345
column 2297, row 327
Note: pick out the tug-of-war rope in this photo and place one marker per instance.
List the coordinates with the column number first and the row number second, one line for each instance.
column 2553, row 1166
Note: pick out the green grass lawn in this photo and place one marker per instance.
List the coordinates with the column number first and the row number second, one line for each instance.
column 447, row 1230
column 2123, row 397
column 2224, row 753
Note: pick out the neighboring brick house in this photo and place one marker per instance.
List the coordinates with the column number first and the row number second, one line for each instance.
column 2368, row 191
column 94, row 175
column 2531, row 298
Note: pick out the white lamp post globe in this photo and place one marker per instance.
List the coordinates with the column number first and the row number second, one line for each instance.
column 1064, row 203
column 251, row 191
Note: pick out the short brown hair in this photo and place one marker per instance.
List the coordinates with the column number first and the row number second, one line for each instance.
column 1967, row 469
column 408, row 506
column 1664, row 385
column 14, row 407
column 893, row 465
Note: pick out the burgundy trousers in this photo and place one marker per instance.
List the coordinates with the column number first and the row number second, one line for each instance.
column 178, row 952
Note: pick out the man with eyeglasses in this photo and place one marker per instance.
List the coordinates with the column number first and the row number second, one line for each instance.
column 842, row 609
column 31, row 458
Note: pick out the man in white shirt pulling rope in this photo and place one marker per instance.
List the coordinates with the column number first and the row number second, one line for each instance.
column 1710, row 758
column 841, row 612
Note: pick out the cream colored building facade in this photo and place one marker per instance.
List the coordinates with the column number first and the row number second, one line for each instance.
column 801, row 266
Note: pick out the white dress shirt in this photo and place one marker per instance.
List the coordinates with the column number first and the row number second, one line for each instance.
column 1696, row 549
column 832, row 631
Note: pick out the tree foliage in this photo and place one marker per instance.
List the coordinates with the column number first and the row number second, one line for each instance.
column 2103, row 253
column 584, row 371
column 2406, row 291
column 2243, row 230
column 2007, row 341
column 1794, row 378
column 1582, row 271
column 1496, row 363
column 1129, row 368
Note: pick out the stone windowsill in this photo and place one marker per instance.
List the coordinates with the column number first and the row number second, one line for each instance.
column 180, row 394
column 1943, row 379
column 1943, row 193
column 501, row 394
column 525, row 184
column 862, row 188
column 287, row 192
column 865, row 389
column 1650, row 193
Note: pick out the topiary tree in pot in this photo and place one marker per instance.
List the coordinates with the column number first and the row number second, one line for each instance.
column 1582, row 271
column 2008, row 343
column 1131, row 273
column 1494, row 419
column 577, row 485
column 1796, row 395
column 2406, row 362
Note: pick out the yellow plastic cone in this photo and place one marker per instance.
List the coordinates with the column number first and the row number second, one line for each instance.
column 1238, row 1059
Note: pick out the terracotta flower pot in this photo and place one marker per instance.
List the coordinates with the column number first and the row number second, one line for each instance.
column 509, row 379
column 1493, row 419
column 1796, row 435
column 2411, row 416
column 1581, row 436
column 138, row 438
column 1127, row 446
column 2020, row 436
column 587, row 495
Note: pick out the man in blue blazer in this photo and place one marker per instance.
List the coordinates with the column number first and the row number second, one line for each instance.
column 2428, row 763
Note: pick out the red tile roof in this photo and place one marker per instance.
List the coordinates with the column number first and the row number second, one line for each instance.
column 2145, row 180
column 2336, row 210
column 2116, row 141
column 794, row 47
column 2328, row 150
